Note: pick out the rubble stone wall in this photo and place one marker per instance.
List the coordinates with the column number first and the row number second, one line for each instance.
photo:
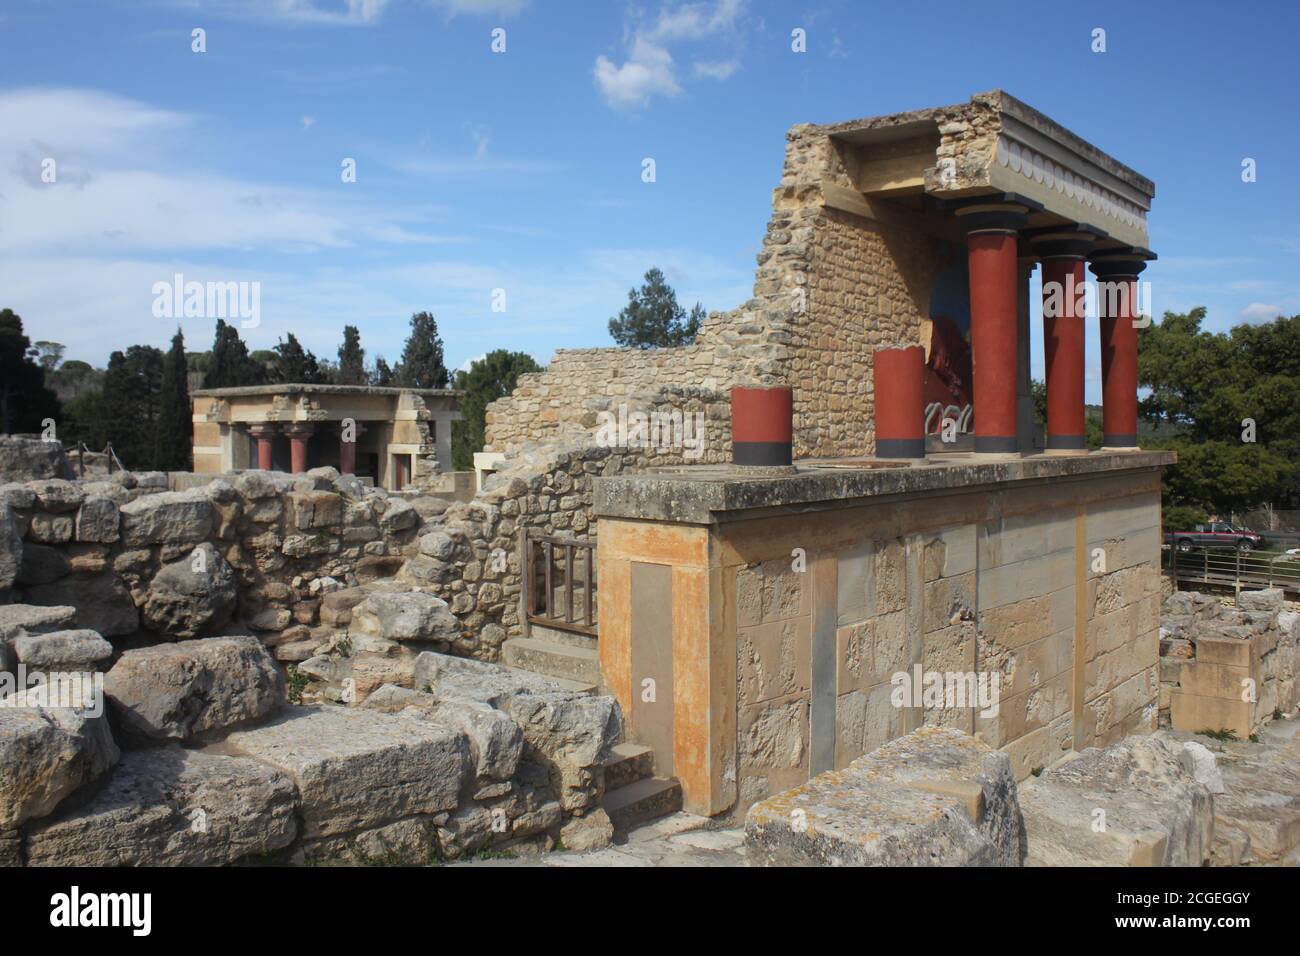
column 829, row 287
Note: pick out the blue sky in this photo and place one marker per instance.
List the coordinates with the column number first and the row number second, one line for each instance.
column 522, row 170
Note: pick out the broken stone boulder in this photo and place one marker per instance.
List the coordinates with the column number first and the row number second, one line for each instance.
column 166, row 806
column 47, row 753
column 178, row 691
column 935, row 797
column 495, row 740
column 76, row 650
column 102, row 601
column 568, row 732
column 592, row 831
column 358, row 769
column 405, row 616
column 193, row 596
column 1134, row 803
column 1269, row 599
column 30, row 459
column 169, row 517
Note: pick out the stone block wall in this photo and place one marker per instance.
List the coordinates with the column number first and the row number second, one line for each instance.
column 802, row 640
column 1228, row 665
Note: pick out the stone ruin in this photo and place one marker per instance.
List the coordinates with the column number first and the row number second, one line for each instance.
column 275, row 664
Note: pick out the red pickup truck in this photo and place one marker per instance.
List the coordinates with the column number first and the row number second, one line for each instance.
column 1216, row 534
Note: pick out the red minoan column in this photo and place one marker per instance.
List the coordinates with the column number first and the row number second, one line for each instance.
column 991, row 251
column 1063, row 338
column 898, row 375
column 299, row 434
column 265, row 435
column 348, row 436
column 1117, row 310
column 762, row 426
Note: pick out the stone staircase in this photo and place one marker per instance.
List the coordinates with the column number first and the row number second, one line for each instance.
column 559, row 654
column 633, row 794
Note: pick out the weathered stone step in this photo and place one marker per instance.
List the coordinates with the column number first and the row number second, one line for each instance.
column 642, row 801
column 628, row 763
column 573, row 686
column 553, row 635
column 553, row 660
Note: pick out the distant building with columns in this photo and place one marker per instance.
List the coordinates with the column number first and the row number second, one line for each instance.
column 398, row 437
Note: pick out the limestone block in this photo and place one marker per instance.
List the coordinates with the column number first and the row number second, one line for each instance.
column 405, row 616
column 1134, row 803
column 102, row 601
column 178, row 691
column 166, row 806
column 17, row 619
column 29, row 459
column 358, row 769
column 170, row 517
column 11, row 548
column 98, row 520
column 195, row 595
column 935, row 797
column 46, row 753
column 62, row 650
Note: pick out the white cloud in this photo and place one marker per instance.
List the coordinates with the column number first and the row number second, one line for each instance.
column 308, row 122
column 717, row 71
column 1260, row 312
column 649, row 69
column 117, row 190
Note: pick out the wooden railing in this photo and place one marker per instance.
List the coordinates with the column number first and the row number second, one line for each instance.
column 558, row 578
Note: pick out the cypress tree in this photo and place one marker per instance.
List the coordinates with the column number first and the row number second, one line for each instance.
column 172, row 436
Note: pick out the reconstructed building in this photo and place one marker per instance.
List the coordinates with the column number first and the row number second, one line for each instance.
column 398, row 437
column 761, row 624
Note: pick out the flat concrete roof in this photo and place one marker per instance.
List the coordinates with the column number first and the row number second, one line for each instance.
column 290, row 388
column 713, row 494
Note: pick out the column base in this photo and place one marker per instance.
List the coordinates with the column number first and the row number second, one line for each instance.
column 1119, row 442
column 900, row 447
column 1066, row 452
column 997, row 445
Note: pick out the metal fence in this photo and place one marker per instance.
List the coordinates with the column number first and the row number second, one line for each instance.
column 1233, row 569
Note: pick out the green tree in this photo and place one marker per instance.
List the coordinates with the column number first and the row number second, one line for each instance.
column 1227, row 403
column 295, row 364
column 652, row 318
column 229, row 363
column 422, row 363
column 25, row 402
column 352, row 358
column 488, row 379
column 382, row 374
column 49, row 355
column 173, row 433
column 132, row 396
